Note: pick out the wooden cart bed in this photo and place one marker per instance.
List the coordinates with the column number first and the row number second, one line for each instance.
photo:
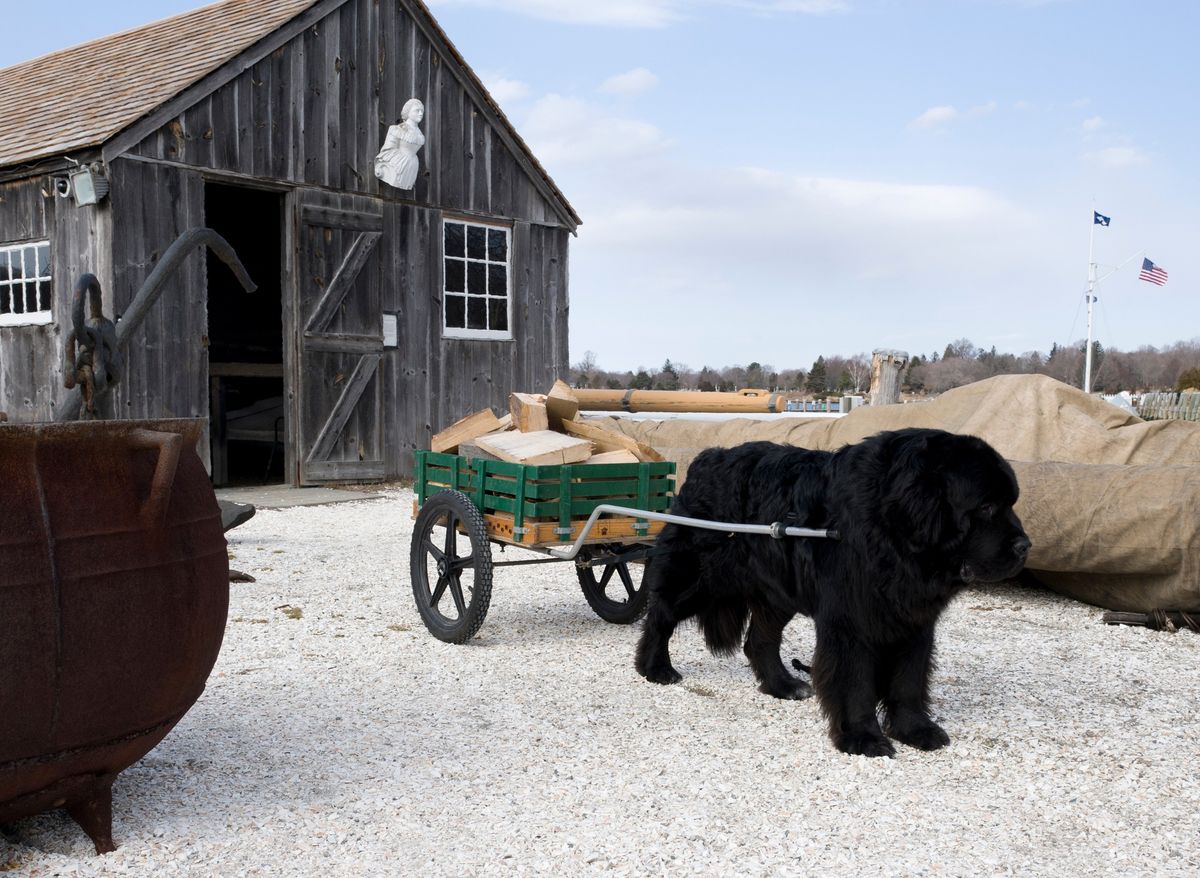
column 535, row 506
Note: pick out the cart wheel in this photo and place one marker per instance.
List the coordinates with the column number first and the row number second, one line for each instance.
column 614, row 591
column 451, row 569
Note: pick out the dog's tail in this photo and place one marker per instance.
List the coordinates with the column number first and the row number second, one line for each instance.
column 724, row 624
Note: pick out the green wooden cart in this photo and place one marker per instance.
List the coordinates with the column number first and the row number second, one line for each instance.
column 464, row 506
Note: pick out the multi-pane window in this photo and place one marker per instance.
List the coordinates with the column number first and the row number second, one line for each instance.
column 25, row 284
column 476, row 268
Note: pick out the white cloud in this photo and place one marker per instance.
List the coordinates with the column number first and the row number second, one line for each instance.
column 639, row 13
column 701, row 249
column 566, row 131
column 633, row 82
column 1118, row 157
column 1095, row 123
column 503, row 89
column 934, row 116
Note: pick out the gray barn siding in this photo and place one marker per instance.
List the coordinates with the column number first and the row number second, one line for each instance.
column 167, row 361
column 31, row 357
column 316, row 112
column 431, row 381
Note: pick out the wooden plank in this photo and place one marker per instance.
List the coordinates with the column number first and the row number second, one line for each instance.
column 470, row 451
column 683, row 401
column 506, row 422
column 473, row 425
column 343, row 343
column 607, row 440
column 621, row 455
column 561, row 404
column 542, row 447
column 346, row 470
column 343, row 280
column 337, row 218
column 528, row 412
column 606, row 530
column 343, row 408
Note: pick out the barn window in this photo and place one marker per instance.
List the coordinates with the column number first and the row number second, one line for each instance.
column 25, row 284
column 476, row 280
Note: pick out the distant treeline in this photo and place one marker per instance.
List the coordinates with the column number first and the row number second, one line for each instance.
column 1175, row 367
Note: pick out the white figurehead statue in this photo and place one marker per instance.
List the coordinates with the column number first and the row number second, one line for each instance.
column 397, row 162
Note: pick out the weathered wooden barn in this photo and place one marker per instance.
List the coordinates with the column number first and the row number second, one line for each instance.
column 382, row 314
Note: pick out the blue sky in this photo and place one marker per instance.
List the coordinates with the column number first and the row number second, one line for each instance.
column 773, row 179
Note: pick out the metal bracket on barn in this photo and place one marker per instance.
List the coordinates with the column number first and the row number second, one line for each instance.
column 91, row 373
column 778, row 530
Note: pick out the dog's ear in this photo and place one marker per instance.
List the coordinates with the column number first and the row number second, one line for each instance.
column 914, row 496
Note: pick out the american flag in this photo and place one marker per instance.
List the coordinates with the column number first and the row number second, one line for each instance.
column 1153, row 273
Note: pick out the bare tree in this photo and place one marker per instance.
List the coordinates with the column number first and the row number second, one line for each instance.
column 585, row 370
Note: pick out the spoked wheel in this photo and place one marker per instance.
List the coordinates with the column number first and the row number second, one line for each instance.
column 613, row 590
column 451, row 567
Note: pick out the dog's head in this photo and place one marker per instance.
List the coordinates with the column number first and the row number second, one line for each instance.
column 949, row 499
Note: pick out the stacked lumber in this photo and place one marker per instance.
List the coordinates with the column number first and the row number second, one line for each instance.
column 539, row 429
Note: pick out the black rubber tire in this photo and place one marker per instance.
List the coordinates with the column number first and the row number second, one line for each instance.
column 627, row 602
column 448, row 510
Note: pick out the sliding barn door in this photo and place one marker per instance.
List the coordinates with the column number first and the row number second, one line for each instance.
column 339, row 399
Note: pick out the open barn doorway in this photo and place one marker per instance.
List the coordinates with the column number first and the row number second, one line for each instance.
column 245, row 339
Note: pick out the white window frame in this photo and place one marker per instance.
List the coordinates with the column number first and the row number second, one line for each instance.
column 467, row 332
column 44, row 285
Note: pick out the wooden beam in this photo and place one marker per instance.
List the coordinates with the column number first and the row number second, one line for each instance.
column 561, row 404
column 528, row 412
column 360, row 251
column 746, row 401
column 621, row 455
column 607, row 440
column 541, row 447
column 463, row 430
column 364, row 371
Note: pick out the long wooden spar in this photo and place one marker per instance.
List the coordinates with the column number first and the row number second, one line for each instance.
column 741, row 402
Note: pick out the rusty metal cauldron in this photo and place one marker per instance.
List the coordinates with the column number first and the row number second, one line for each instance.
column 114, row 587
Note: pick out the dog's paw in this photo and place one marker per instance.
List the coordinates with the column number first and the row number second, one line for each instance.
column 924, row 736
column 866, row 744
column 664, row 674
column 789, row 690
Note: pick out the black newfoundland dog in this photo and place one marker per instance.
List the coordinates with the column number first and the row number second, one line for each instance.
column 918, row 513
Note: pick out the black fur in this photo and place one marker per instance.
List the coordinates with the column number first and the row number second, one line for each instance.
column 919, row 512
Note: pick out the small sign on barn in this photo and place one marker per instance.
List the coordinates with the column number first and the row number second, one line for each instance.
column 410, row 252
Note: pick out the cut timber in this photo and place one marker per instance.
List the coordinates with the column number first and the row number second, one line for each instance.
column 541, row 447
column 468, row 428
column 679, row 401
column 607, row 440
column 621, row 456
column 471, row 451
column 528, row 412
column 561, row 404
column 506, row 422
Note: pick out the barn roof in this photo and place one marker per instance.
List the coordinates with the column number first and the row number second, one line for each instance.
column 80, row 98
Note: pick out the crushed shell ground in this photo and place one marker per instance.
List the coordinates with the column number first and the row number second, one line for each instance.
column 338, row 738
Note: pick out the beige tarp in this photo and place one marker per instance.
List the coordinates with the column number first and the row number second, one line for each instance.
column 1111, row 502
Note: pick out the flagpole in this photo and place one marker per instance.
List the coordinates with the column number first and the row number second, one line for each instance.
column 1087, row 358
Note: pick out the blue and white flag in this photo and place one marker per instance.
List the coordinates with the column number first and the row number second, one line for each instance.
column 1100, row 219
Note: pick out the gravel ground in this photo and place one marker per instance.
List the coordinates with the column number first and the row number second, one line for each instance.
column 338, row 738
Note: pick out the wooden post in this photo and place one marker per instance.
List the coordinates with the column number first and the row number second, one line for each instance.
column 685, row 401
column 886, row 367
